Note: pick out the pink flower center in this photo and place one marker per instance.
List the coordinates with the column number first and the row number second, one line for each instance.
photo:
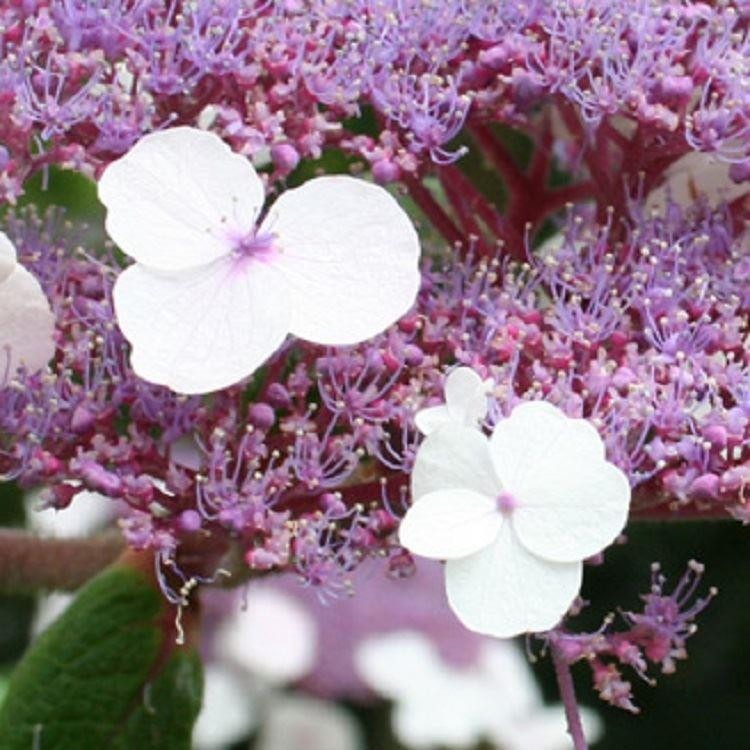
column 253, row 246
column 506, row 503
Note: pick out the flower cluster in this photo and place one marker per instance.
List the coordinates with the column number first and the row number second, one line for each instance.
column 655, row 636
column 87, row 79
column 307, row 465
column 573, row 254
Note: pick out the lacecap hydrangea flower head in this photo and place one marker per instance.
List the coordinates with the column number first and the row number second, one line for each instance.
column 218, row 284
column 514, row 514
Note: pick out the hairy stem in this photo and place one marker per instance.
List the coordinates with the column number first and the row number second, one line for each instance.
column 31, row 563
column 568, row 695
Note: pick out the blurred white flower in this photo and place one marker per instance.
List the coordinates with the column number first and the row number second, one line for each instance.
column 436, row 704
column 88, row 513
column 297, row 723
column 229, row 711
column 212, row 295
column 273, row 637
column 258, row 649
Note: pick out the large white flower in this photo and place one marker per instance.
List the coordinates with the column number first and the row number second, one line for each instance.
column 465, row 402
column 514, row 515
column 212, row 294
column 26, row 321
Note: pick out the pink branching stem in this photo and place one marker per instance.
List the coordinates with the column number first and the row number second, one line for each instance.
column 530, row 201
column 461, row 186
column 557, row 198
column 568, row 695
column 594, row 155
column 463, row 204
column 541, row 162
column 651, row 503
column 434, row 212
column 513, row 177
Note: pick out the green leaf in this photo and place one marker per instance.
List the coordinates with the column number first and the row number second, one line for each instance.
column 105, row 675
column 164, row 719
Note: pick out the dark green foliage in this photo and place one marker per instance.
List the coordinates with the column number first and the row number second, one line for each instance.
column 97, row 678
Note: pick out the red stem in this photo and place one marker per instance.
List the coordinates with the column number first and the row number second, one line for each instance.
column 462, row 202
column 515, row 180
column 463, row 188
column 434, row 212
column 560, row 197
column 541, row 162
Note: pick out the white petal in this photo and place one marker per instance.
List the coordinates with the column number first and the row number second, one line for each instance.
column 507, row 670
column 466, row 396
column 176, row 199
column 429, row 419
column 200, row 330
column 521, row 442
column 451, row 523
column 450, row 712
column 7, row 257
column 695, row 174
column 571, row 502
column 351, row 254
column 88, row 513
column 49, row 607
column 274, row 638
column 185, row 452
column 504, row 590
column 454, row 457
column 396, row 664
column 26, row 325
column 297, row 723
column 227, row 713
column 545, row 728
column 571, row 508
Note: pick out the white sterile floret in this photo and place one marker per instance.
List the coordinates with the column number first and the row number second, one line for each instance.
column 465, row 402
column 437, row 704
column 273, row 637
column 228, row 713
column 514, row 515
column 26, row 320
column 213, row 294
column 294, row 722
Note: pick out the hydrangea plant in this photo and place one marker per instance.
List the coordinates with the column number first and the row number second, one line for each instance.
column 466, row 279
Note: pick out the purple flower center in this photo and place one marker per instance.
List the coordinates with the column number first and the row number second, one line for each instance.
column 506, row 503
column 258, row 246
